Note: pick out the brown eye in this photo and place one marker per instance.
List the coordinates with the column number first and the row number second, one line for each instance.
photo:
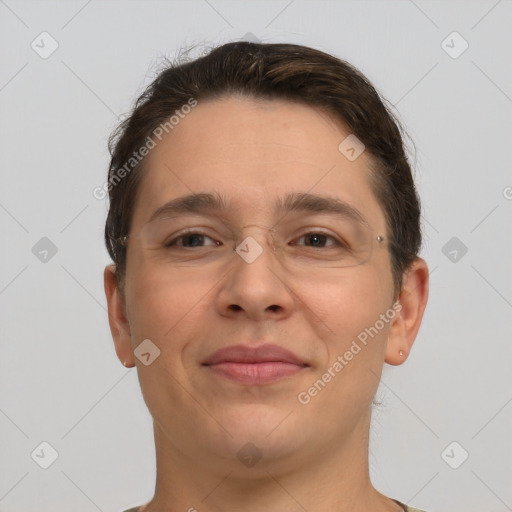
column 316, row 240
column 191, row 240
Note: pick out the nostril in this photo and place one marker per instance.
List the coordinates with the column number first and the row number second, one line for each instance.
column 274, row 307
column 235, row 307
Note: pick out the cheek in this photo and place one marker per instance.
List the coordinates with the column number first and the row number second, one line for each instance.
column 343, row 307
column 356, row 337
column 162, row 303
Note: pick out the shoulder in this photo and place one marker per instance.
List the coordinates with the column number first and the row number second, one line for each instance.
column 405, row 507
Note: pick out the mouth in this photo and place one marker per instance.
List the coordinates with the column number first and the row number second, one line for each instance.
column 254, row 365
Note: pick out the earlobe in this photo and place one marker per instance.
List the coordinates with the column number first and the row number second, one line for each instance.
column 413, row 300
column 119, row 325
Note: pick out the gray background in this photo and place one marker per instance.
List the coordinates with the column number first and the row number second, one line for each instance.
column 60, row 379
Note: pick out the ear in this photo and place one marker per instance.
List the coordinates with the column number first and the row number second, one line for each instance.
column 413, row 300
column 119, row 326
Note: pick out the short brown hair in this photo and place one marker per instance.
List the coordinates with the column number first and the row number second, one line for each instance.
column 273, row 71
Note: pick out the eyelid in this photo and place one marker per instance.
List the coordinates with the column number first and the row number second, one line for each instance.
column 189, row 231
column 304, row 232
column 319, row 231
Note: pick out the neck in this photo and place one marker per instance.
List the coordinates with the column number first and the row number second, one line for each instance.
column 335, row 479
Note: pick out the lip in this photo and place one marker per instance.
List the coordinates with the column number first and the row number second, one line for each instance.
column 254, row 365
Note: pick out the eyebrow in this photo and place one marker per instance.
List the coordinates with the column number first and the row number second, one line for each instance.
column 191, row 204
column 313, row 203
column 205, row 203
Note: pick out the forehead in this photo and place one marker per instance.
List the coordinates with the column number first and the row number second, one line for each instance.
column 254, row 151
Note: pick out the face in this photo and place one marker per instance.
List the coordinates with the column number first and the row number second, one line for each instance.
column 199, row 295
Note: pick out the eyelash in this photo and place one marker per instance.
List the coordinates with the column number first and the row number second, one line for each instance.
column 172, row 243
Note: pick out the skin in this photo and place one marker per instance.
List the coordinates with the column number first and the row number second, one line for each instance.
column 314, row 456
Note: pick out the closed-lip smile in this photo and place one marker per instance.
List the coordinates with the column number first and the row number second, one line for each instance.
column 260, row 364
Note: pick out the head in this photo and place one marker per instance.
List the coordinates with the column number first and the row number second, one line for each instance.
column 255, row 136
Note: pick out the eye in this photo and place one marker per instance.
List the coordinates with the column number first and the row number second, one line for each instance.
column 316, row 240
column 191, row 240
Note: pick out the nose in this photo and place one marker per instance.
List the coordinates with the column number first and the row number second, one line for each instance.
column 254, row 286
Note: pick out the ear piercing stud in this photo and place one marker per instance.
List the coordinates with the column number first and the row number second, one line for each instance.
column 401, row 353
